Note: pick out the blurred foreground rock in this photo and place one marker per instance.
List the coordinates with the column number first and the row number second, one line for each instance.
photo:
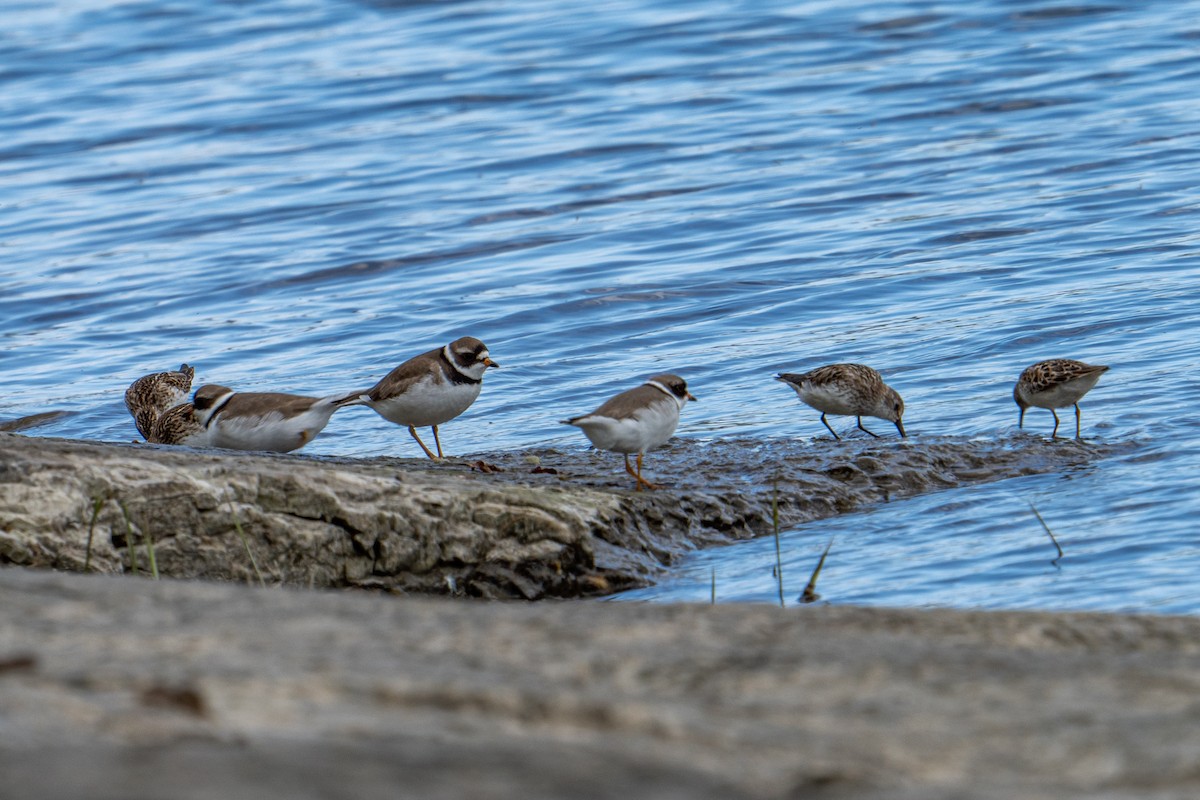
column 569, row 526
column 120, row 687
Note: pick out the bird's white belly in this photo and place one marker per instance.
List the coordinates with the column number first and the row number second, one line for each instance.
column 428, row 403
column 1064, row 394
column 647, row 430
column 829, row 400
column 270, row 432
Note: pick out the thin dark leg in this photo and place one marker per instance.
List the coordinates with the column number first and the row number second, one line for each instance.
column 825, row 422
column 1054, row 433
column 1077, row 420
column 437, row 441
column 864, row 430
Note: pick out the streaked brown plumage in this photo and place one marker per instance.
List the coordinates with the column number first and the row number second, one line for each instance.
column 178, row 425
column 1055, row 383
column 853, row 390
column 150, row 396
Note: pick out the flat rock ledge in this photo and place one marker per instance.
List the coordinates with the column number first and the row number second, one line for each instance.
column 125, row 688
column 542, row 523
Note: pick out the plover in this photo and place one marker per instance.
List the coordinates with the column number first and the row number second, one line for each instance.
column 847, row 389
column 178, row 425
column 637, row 420
column 430, row 389
column 1057, row 383
column 260, row 420
column 150, row 396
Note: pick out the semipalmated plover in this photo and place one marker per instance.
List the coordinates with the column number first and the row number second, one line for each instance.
column 150, row 396
column 260, row 420
column 1057, row 383
column 430, row 389
column 178, row 426
column 850, row 390
column 637, row 420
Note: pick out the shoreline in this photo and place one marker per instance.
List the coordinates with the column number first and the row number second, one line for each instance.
column 527, row 525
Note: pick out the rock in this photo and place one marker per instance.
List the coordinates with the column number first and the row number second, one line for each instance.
column 118, row 687
column 574, row 529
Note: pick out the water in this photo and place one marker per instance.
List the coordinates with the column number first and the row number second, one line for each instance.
column 296, row 196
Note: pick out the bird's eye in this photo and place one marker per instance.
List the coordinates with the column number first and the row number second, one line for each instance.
column 897, row 407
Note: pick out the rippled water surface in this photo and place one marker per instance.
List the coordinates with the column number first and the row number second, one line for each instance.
column 297, row 196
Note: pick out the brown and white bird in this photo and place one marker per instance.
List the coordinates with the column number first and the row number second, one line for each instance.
column 260, row 420
column 178, row 425
column 151, row 396
column 1056, row 383
column 852, row 390
column 637, row 420
column 430, row 389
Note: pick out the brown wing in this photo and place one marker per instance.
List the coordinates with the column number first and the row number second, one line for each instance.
column 258, row 404
column 1047, row 374
column 859, row 375
column 628, row 403
column 399, row 380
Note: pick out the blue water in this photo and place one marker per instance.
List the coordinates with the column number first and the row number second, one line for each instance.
column 296, row 196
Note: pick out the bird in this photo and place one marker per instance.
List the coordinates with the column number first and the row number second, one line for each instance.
column 1056, row 383
column 178, row 425
column 150, row 396
column 847, row 389
column 637, row 420
column 430, row 389
column 260, row 420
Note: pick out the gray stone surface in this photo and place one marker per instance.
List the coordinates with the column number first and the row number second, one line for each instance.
column 121, row 687
column 572, row 528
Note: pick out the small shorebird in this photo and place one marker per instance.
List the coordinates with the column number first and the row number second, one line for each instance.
column 260, row 420
column 150, row 396
column 430, row 389
column 1057, row 383
column 178, row 425
column 849, row 390
column 637, row 420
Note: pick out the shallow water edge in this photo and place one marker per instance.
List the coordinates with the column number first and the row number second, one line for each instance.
column 539, row 523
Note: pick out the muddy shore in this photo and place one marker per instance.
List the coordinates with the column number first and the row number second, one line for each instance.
column 530, row 525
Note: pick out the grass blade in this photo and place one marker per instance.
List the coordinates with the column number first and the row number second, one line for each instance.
column 809, row 595
column 97, row 504
column 133, row 562
column 778, row 551
column 1046, row 528
column 237, row 524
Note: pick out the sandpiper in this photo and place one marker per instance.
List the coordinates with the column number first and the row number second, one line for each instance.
column 178, row 425
column 850, row 390
column 150, row 396
column 430, row 389
column 1056, row 383
column 260, row 420
column 637, row 420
